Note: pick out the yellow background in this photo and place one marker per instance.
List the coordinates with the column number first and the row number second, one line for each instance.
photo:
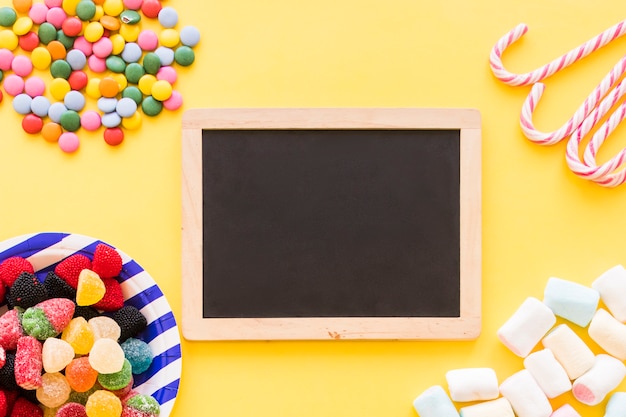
column 539, row 219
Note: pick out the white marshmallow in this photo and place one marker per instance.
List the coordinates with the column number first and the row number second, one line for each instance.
column 571, row 301
column 525, row 395
column 548, row 372
column 525, row 328
column 495, row 408
column 434, row 402
column 612, row 288
column 608, row 333
column 472, row 384
column 616, row 406
column 565, row 410
column 603, row 377
column 570, row 350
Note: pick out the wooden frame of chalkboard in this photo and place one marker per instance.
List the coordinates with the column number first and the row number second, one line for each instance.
column 225, row 157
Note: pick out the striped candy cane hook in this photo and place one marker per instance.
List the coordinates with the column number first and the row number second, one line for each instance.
column 576, row 54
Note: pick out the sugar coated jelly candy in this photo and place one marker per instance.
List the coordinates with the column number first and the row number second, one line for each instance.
column 103, row 403
column 28, row 364
column 106, row 356
column 54, row 390
column 10, row 329
column 71, row 409
column 105, row 327
column 145, row 404
column 56, row 354
column 117, row 380
column 48, row 318
column 90, row 288
column 79, row 335
column 138, row 353
column 80, row 375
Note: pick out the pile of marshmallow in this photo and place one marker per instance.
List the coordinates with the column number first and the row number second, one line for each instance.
column 563, row 363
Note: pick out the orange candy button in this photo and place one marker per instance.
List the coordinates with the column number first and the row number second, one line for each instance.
column 57, row 50
column 109, row 87
column 51, row 132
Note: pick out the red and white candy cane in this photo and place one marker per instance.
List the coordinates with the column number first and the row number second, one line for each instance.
column 586, row 116
column 606, row 174
column 495, row 58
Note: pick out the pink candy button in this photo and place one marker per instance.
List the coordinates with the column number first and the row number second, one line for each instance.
column 22, row 66
column 13, row 85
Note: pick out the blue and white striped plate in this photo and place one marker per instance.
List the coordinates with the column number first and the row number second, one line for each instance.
column 161, row 380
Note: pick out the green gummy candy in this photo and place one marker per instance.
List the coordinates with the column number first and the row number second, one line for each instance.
column 36, row 324
column 117, row 380
column 144, row 403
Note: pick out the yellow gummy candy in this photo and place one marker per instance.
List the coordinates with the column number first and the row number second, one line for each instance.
column 79, row 335
column 103, row 404
column 90, row 288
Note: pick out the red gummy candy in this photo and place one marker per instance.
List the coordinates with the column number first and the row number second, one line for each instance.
column 25, row 408
column 11, row 268
column 58, row 311
column 10, row 329
column 71, row 410
column 133, row 412
column 113, row 298
column 28, row 363
column 107, row 262
column 69, row 268
column 4, row 405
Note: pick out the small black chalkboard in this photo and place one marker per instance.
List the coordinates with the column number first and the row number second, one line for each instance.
column 331, row 223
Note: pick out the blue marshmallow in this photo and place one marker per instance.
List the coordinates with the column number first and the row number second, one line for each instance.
column 434, row 402
column 571, row 301
column 616, row 406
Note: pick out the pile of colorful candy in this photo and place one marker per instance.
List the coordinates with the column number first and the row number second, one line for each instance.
column 96, row 49
column 69, row 345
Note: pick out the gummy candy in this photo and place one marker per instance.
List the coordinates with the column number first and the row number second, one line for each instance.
column 144, row 403
column 12, row 267
column 123, row 392
column 117, row 380
column 107, row 262
column 36, row 324
column 25, row 408
column 80, row 375
column 106, row 327
column 106, row 356
column 28, row 364
column 79, row 335
column 56, row 354
column 10, row 329
column 138, row 353
column 81, row 397
column 130, row 320
column 54, row 390
column 69, row 268
column 90, row 288
column 113, row 298
column 103, row 404
column 72, row 410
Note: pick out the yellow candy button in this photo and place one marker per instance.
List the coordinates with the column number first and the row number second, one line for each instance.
column 145, row 84
column 133, row 122
column 93, row 88
column 59, row 87
column 99, row 13
column 118, row 43
column 22, row 25
column 169, row 38
column 41, row 58
column 161, row 90
column 122, row 82
column 8, row 40
column 130, row 33
column 69, row 6
column 113, row 7
column 93, row 31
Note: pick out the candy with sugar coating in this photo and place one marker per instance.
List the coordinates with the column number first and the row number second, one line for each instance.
column 548, row 372
column 608, row 333
column 56, row 354
column 612, row 288
column 28, row 364
column 526, row 397
column 117, row 380
column 10, row 329
column 54, row 390
column 103, row 403
column 146, row 405
column 90, row 288
column 106, row 356
column 472, row 384
column 494, row 408
column 570, row 350
column 104, row 326
column 79, row 335
column 48, row 318
column 603, row 377
column 71, row 409
column 565, row 410
column 434, row 402
column 140, row 355
column 525, row 328
column 80, row 375
column 616, row 406
column 571, row 301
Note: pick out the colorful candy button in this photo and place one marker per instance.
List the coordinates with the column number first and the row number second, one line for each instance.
column 184, row 56
column 90, row 120
column 148, row 40
column 22, row 66
column 51, row 131
column 74, row 100
column 32, row 124
column 6, row 59
column 168, row 17
column 166, row 55
column 13, row 85
column 109, row 87
column 107, row 104
column 47, row 33
column 56, row 16
column 113, row 136
column 22, row 25
column 72, row 26
column 110, row 22
column 86, row 10
column 78, row 80
column 111, row 119
column 189, row 36
column 8, row 40
column 70, row 121
column 34, row 86
column 93, row 88
column 83, row 45
column 69, row 142
column 103, row 47
column 126, row 107
column 132, row 52
column 113, row 7
column 130, row 17
column 151, row 8
column 41, row 58
column 161, row 90
column 29, row 41
column 8, row 16
column 38, row 13
column 174, row 102
column 133, row 93
column 21, row 103
column 93, row 31
column 60, row 69
column 133, row 4
column 56, row 110
column 76, row 59
column 133, row 122
column 59, row 87
column 169, row 38
column 151, row 107
column 40, row 106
